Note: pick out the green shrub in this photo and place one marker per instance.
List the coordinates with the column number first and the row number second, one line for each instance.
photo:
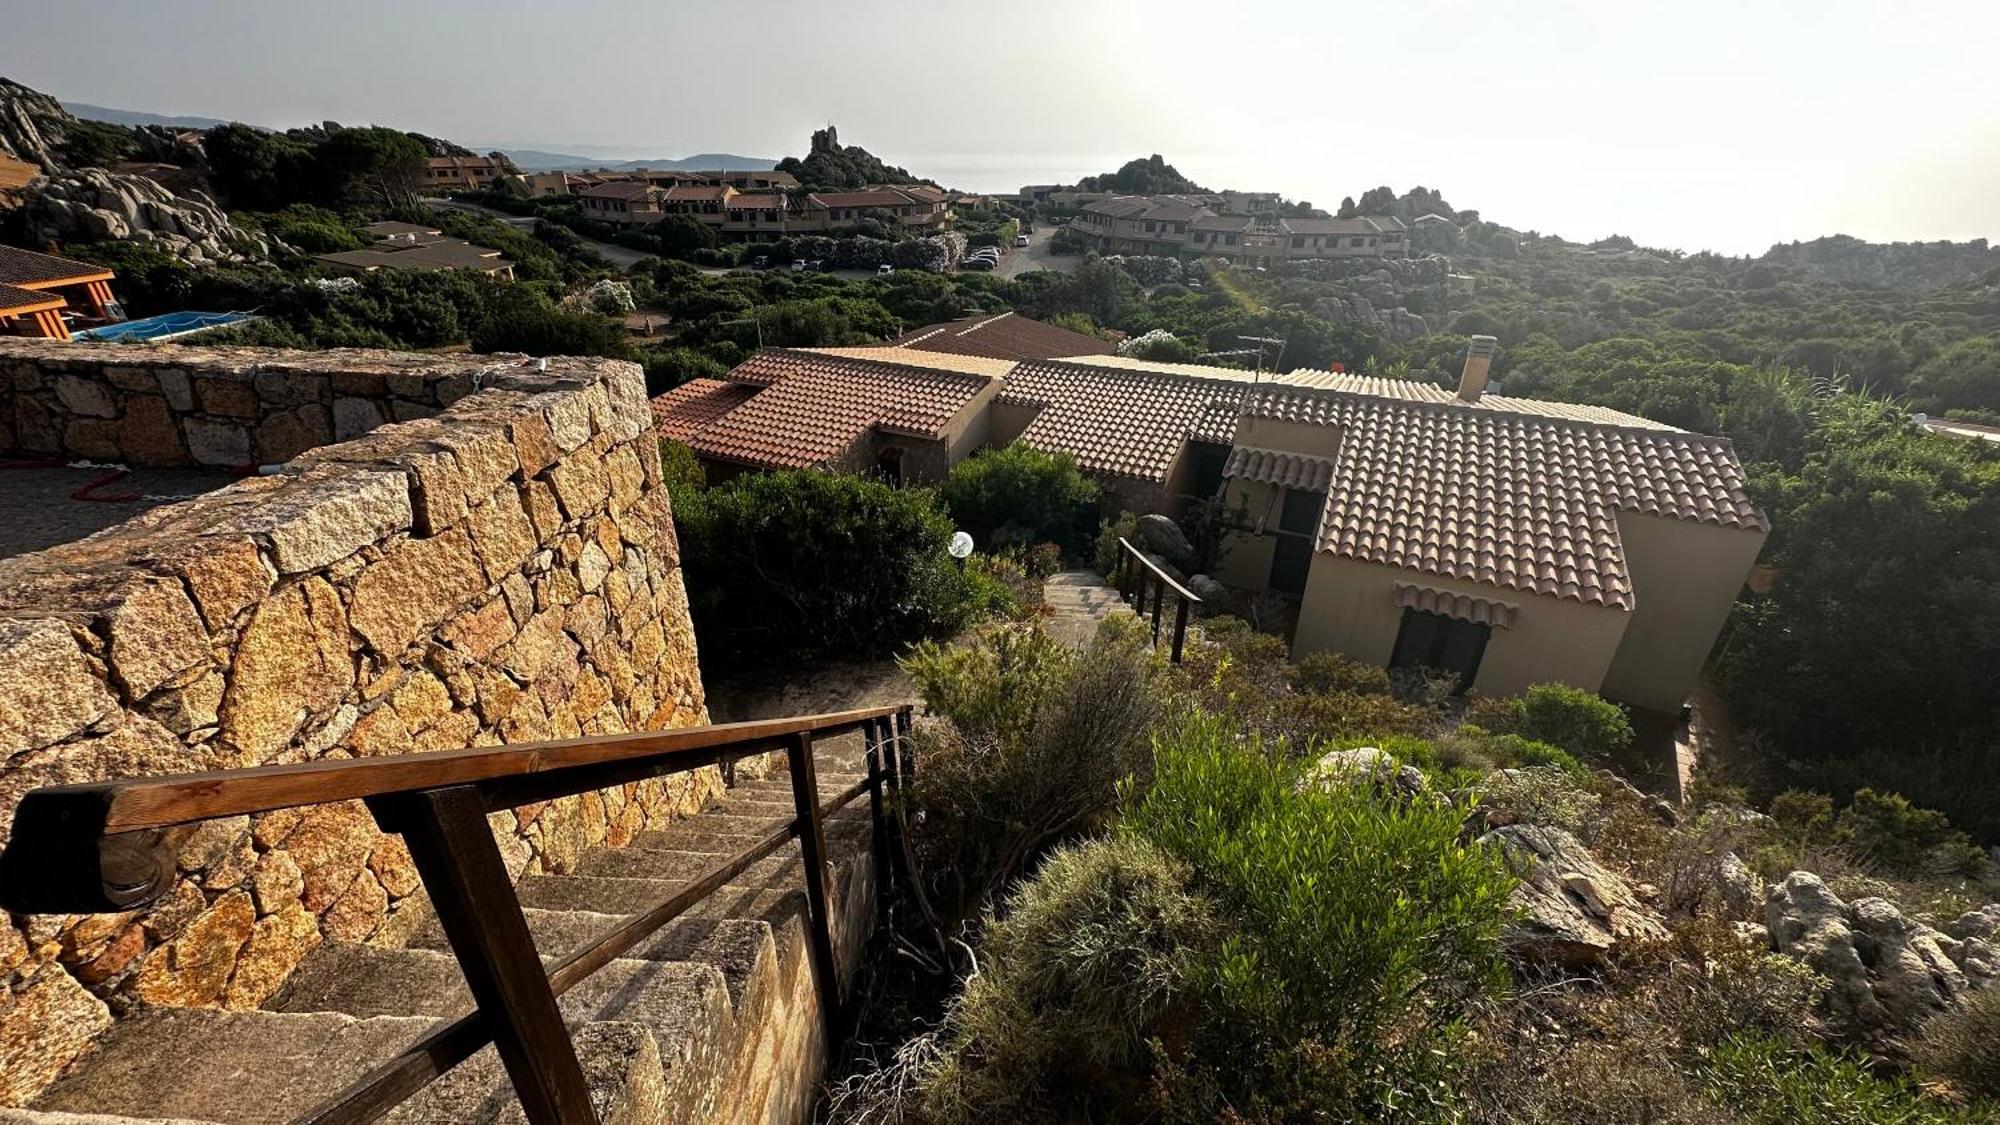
column 1537, row 795
column 1803, row 816
column 1333, row 672
column 1886, row 829
column 1017, row 495
column 794, row 564
column 1765, row 1082
column 1575, row 720
column 1094, row 961
column 1514, row 750
column 1962, row 1045
column 1034, row 743
column 1043, row 559
column 996, row 586
column 1362, row 928
column 1105, row 555
column 681, row 469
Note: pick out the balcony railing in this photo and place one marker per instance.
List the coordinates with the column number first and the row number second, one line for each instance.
column 102, row 847
column 1137, row 575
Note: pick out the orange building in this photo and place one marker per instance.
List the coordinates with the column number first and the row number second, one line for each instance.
column 36, row 289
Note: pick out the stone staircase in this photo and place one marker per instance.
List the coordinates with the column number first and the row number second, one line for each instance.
column 1077, row 601
column 714, row 1018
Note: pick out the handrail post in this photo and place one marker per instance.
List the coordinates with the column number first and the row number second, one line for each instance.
column 1180, row 626
column 812, row 848
column 469, row 887
column 909, row 760
column 1159, row 596
column 876, row 748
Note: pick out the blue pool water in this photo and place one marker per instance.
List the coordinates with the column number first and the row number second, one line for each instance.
column 166, row 326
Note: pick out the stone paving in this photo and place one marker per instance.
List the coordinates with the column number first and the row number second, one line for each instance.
column 38, row 508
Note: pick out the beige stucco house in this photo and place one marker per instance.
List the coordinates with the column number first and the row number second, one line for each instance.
column 1509, row 540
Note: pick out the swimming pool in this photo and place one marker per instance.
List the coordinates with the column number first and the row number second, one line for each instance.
column 166, row 326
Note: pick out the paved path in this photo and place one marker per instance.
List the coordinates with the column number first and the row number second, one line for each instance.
column 1077, row 601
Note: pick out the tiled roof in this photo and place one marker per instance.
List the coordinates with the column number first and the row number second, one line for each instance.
column 987, row 366
column 880, row 197
column 1482, row 611
column 1365, row 224
column 773, row 201
column 1224, row 222
column 1005, row 336
column 1524, row 499
column 619, row 189
column 1273, row 466
column 817, row 403
column 16, row 301
column 389, row 229
column 1120, row 416
column 1413, row 390
column 698, row 193
column 695, row 405
column 27, row 268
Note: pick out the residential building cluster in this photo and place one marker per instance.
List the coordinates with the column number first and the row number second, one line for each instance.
column 411, row 246
column 746, row 214
column 1177, row 225
column 1507, row 540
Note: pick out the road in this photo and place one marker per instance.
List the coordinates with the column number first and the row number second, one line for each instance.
column 1035, row 255
column 624, row 257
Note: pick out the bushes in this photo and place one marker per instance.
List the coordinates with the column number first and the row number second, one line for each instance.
column 1962, row 1045
column 1768, row 1083
column 1361, row 928
column 796, row 564
column 1332, row 672
column 1575, row 720
column 1094, row 961
column 1105, row 554
column 1038, row 738
column 1017, row 495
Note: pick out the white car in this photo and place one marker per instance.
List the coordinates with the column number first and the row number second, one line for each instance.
column 884, row 270
column 1020, row 240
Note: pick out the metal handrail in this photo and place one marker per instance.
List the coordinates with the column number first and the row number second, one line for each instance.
column 103, row 846
column 1135, row 570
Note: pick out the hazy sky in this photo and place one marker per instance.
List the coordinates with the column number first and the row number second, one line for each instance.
column 1701, row 124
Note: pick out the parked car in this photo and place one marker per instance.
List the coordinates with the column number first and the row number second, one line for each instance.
column 759, row 262
column 977, row 263
column 1020, row 240
column 798, row 267
column 884, row 270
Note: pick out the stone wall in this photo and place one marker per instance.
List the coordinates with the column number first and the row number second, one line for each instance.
column 501, row 566
column 228, row 408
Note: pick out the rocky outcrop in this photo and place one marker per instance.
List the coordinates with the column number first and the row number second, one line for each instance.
column 1161, row 536
column 1573, row 911
column 1889, row 973
column 1365, row 765
column 32, row 125
column 93, row 205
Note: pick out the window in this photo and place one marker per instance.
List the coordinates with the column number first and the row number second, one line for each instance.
column 1206, row 460
column 1355, row 241
column 1432, row 640
column 1291, row 553
column 1298, row 242
column 1229, row 239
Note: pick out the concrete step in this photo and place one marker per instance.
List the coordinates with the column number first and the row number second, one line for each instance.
column 724, row 836
column 239, row 1068
column 51, row 1117
column 785, row 869
column 623, row 1064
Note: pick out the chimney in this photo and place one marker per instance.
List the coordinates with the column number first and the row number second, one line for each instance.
column 1478, row 356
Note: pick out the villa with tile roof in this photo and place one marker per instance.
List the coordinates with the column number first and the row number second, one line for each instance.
column 37, row 290
column 1509, row 540
column 1002, row 336
column 1179, row 225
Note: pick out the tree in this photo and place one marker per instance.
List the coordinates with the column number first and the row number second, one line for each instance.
column 518, row 318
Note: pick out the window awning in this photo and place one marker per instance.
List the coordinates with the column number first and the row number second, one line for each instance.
column 1465, row 607
column 1290, row 470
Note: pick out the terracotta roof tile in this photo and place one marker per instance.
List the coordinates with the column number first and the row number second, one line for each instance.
column 16, row 301
column 1292, row 470
column 28, row 268
column 1525, row 499
column 817, row 403
column 1006, row 336
column 619, row 189
column 1121, row 416
column 695, row 405
column 1483, row 611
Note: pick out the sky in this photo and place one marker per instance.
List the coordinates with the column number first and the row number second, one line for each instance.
column 1722, row 125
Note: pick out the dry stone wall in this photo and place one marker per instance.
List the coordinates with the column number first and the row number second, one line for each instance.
column 498, row 566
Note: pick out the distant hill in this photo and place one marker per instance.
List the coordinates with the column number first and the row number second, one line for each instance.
column 133, row 117
column 532, row 160
column 1904, row 265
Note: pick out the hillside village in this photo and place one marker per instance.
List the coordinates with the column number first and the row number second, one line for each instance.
column 1448, row 672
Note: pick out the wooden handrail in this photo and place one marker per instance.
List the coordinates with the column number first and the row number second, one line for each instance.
column 1167, row 579
column 104, row 846
column 1131, row 559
